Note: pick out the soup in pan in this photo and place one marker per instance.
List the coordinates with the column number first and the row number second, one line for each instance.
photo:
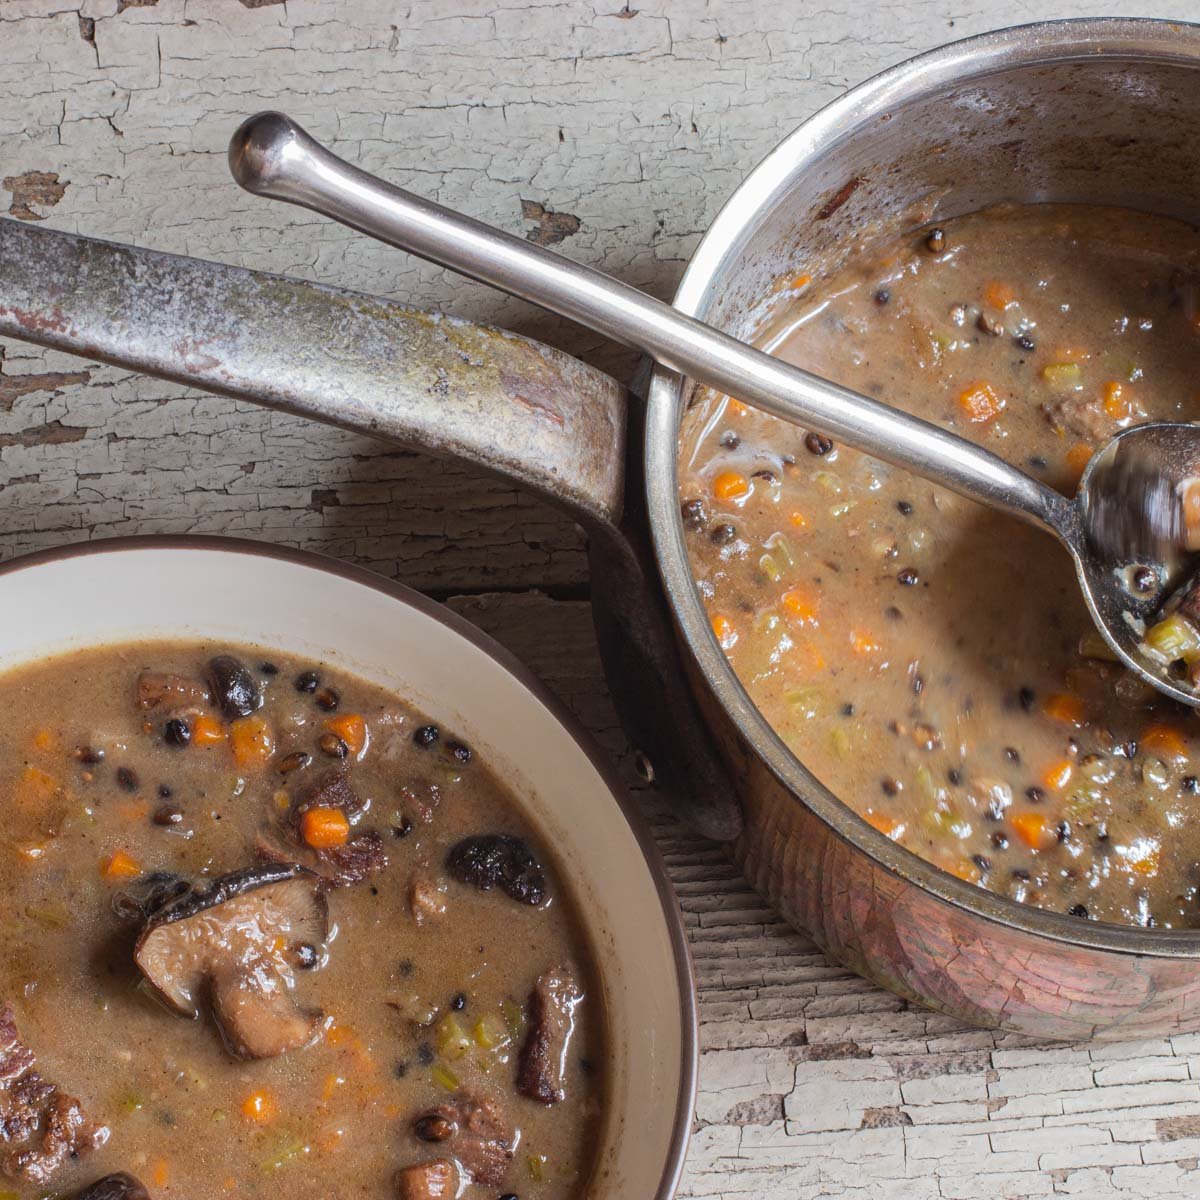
column 269, row 931
column 931, row 661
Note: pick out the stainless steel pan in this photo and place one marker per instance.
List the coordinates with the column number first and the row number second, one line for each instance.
column 1094, row 111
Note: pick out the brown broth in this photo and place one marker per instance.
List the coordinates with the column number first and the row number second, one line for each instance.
column 931, row 661
column 342, row 1108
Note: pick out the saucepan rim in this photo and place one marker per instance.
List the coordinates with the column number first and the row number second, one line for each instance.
column 681, row 965
column 973, row 58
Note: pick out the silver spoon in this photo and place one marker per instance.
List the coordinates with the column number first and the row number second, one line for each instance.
column 271, row 155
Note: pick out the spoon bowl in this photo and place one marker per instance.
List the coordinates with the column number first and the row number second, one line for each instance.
column 1127, row 575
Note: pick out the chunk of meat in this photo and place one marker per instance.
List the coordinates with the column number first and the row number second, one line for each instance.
column 475, row 1132
column 436, row 1180
column 331, row 789
column 41, row 1127
column 339, row 866
column 15, row 1059
column 543, row 1069
column 361, row 857
column 426, row 900
column 162, row 690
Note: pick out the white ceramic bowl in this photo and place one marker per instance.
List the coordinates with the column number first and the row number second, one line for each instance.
column 131, row 589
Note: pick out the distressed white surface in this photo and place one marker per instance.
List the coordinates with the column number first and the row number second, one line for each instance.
column 639, row 123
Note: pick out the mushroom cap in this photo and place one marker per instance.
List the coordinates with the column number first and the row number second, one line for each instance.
column 115, row 1187
column 243, row 920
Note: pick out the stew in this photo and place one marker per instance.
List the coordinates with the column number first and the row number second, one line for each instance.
column 930, row 661
column 269, row 931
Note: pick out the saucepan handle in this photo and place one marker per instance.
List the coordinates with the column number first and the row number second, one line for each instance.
column 431, row 382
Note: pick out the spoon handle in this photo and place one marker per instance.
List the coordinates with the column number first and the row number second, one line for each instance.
column 271, row 155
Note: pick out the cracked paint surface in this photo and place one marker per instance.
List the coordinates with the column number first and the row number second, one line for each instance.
column 637, row 120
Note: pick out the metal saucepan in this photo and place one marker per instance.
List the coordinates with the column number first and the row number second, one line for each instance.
column 1102, row 111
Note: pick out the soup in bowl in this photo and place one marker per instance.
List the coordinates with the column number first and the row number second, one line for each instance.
column 308, row 886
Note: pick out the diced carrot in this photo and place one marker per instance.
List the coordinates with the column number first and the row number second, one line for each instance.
column 1057, row 775
column 724, row 631
column 801, row 281
column 131, row 811
column 352, row 729
column 1145, row 857
column 207, row 731
column 1164, row 740
column 120, row 865
column 962, row 868
column 798, row 520
column 737, row 408
column 323, row 828
column 330, row 1141
column 1117, row 404
column 980, row 403
column 730, row 485
column 160, row 1173
column 1000, row 295
column 887, row 825
column 260, row 1107
column 863, row 644
column 339, row 1035
column 333, row 1081
column 35, row 788
column 801, row 605
column 1034, row 830
column 1065, row 708
column 251, row 740
column 1189, row 494
column 811, row 653
column 45, row 740
column 1078, row 457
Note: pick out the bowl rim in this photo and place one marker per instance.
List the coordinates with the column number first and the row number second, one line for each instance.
column 682, row 964
column 1039, row 43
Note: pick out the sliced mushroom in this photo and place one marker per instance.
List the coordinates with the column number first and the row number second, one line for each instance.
column 240, row 937
column 234, row 688
column 115, row 1187
column 147, row 894
column 436, row 1180
column 552, row 1004
column 161, row 689
column 256, row 1014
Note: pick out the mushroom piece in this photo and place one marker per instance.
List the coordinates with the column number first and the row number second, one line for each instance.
column 234, row 689
column 543, row 1070
column 115, row 1187
column 435, row 1180
column 499, row 860
column 238, row 940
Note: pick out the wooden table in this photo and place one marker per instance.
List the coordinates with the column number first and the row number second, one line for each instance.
column 617, row 131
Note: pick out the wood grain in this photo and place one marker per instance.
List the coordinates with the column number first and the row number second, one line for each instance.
column 613, row 132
